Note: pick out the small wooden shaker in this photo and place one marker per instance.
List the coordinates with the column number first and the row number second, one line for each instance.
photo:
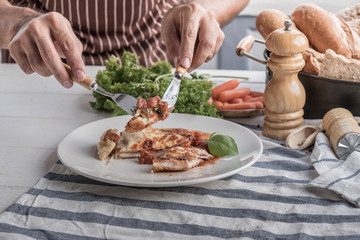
column 343, row 131
column 284, row 95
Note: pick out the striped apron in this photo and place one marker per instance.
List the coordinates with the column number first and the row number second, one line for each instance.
column 107, row 27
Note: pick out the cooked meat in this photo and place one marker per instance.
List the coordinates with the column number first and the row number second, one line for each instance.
column 180, row 159
column 147, row 112
column 107, row 143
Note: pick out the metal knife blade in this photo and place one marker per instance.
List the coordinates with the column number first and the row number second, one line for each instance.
column 172, row 92
column 125, row 101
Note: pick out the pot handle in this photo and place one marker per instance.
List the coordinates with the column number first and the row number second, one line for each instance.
column 245, row 45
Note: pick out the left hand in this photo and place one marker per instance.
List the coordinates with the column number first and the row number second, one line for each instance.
column 192, row 35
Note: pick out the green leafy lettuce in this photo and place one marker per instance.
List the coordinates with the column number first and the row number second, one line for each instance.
column 146, row 82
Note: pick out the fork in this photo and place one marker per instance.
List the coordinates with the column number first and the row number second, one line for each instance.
column 125, row 101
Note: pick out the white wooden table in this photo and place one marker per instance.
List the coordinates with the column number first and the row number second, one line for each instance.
column 36, row 113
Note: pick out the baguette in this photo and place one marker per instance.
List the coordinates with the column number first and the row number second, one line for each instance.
column 323, row 29
column 270, row 20
column 355, row 24
column 351, row 15
column 353, row 40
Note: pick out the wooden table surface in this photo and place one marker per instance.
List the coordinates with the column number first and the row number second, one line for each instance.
column 36, row 113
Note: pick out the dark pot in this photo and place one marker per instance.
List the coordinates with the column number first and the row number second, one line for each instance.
column 324, row 94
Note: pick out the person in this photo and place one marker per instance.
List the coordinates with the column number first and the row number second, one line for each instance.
column 38, row 34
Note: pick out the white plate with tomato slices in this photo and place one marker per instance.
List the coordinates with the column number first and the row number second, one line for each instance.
column 78, row 152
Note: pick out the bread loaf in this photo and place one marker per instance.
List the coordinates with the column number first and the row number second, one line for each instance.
column 319, row 56
column 323, row 29
column 313, row 61
column 355, row 24
column 338, row 67
column 312, row 64
column 352, row 17
column 353, row 39
column 270, row 20
column 350, row 13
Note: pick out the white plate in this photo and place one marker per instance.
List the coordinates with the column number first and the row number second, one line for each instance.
column 78, row 152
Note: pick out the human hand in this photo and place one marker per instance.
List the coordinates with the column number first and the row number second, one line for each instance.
column 191, row 34
column 40, row 43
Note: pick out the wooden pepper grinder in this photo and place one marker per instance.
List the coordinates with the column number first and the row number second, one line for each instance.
column 343, row 132
column 284, row 95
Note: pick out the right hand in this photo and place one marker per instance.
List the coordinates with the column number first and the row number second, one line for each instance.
column 40, row 43
column 187, row 27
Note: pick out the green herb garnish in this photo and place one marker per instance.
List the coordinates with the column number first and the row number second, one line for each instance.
column 222, row 145
column 146, row 82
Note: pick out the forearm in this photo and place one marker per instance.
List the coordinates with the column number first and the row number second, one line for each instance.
column 225, row 10
column 12, row 18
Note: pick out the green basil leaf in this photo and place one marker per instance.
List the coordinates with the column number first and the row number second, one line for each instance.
column 222, row 145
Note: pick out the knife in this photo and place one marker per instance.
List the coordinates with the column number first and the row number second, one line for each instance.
column 125, row 101
column 172, row 92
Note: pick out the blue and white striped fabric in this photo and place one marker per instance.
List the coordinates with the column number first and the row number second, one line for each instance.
column 342, row 177
column 270, row 200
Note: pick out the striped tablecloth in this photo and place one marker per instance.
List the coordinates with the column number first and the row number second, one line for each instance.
column 270, row 200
